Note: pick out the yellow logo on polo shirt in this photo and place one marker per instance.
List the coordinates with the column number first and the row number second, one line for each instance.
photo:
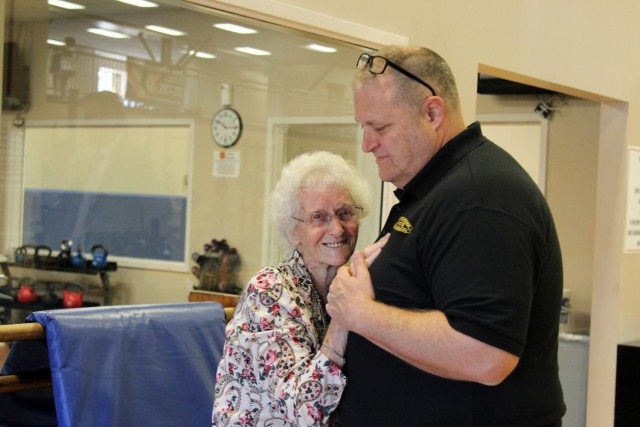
column 403, row 225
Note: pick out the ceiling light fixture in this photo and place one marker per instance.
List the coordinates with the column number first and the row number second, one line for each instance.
column 65, row 4
column 203, row 55
column 55, row 42
column 139, row 3
column 108, row 33
column 253, row 51
column 320, row 48
column 164, row 30
column 235, row 28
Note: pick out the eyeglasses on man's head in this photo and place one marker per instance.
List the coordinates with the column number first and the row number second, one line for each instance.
column 346, row 215
column 378, row 64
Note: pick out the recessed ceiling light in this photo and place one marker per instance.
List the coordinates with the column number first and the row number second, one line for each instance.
column 203, row 55
column 253, row 51
column 139, row 3
column 235, row 28
column 320, row 48
column 65, row 4
column 55, row 42
column 108, row 33
column 164, row 30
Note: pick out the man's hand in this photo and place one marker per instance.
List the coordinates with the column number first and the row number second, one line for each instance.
column 350, row 292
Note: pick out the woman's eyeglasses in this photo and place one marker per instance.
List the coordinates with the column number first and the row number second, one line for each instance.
column 378, row 64
column 346, row 215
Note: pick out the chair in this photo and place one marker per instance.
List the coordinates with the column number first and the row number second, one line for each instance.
column 115, row 365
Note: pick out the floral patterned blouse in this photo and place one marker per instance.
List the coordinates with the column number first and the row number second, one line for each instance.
column 272, row 372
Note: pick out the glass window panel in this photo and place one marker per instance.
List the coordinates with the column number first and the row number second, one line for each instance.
column 57, row 62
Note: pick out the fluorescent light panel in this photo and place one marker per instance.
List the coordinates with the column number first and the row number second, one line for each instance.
column 320, row 48
column 200, row 54
column 108, row 33
column 55, row 42
column 235, row 28
column 139, row 3
column 164, row 30
column 65, row 4
column 252, row 51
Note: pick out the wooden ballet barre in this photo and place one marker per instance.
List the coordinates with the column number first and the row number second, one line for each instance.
column 20, row 332
column 9, row 383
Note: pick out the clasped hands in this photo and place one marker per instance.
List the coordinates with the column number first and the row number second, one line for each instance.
column 351, row 290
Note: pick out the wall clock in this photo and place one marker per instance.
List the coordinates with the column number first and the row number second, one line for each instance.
column 226, row 127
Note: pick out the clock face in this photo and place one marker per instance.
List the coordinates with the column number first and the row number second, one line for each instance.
column 226, row 127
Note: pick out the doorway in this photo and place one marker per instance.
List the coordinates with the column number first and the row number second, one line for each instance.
column 586, row 163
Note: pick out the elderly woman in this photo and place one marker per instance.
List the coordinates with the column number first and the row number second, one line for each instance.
column 282, row 360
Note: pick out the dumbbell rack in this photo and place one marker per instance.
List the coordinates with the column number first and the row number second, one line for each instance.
column 87, row 269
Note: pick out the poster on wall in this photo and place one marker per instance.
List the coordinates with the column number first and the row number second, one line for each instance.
column 226, row 164
column 632, row 228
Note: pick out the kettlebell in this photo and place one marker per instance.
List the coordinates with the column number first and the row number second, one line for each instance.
column 99, row 255
column 43, row 248
column 39, row 255
column 25, row 254
column 20, row 254
column 78, row 260
column 72, row 298
column 27, row 294
column 64, row 256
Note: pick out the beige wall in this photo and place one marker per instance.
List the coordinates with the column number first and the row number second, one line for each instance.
column 581, row 45
column 572, row 161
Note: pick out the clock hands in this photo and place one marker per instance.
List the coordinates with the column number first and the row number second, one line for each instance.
column 225, row 126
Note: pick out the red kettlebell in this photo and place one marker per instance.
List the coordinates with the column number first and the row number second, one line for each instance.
column 27, row 294
column 72, row 299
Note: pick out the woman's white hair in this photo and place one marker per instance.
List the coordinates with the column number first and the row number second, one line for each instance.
column 315, row 171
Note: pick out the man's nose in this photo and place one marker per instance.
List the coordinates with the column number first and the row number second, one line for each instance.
column 369, row 142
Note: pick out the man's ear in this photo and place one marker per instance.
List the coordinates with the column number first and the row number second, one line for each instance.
column 433, row 109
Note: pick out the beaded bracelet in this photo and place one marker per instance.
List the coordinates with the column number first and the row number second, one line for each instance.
column 332, row 350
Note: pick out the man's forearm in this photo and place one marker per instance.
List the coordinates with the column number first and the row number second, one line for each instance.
column 425, row 340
